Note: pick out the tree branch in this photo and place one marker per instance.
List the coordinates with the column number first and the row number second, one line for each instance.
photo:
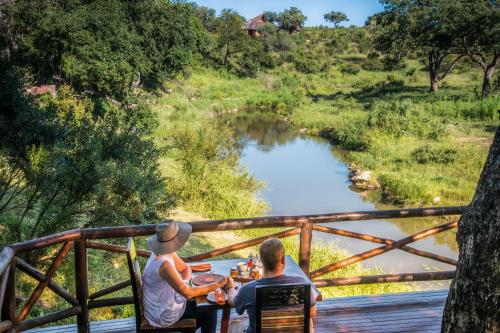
column 450, row 68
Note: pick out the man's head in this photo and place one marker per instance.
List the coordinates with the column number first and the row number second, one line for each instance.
column 272, row 254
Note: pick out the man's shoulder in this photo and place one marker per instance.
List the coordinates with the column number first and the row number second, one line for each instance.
column 285, row 279
column 248, row 287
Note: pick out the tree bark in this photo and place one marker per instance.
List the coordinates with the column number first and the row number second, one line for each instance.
column 488, row 74
column 435, row 63
column 488, row 68
column 434, row 85
column 473, row 303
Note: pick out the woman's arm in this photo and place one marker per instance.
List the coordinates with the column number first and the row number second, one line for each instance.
column 171, row 275
column 182, row 267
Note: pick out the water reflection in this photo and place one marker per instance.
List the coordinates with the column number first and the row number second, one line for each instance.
column 304, row 175
column 266, row 130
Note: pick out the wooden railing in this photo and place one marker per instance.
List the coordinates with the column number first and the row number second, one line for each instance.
column 82, row 239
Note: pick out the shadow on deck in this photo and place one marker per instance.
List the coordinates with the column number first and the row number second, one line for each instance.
column 404, row 312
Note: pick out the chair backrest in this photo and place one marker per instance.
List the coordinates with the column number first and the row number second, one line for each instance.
column 283, row 308
column 136, row 279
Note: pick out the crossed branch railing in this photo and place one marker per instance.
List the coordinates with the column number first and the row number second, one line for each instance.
column 82, row 239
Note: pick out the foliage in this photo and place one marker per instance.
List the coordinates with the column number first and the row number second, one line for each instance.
column 211, row 180
column 427, row 154
column 76, row 162
column 478, row 23
column 231, row 38
column 275, row 40
column 207, row 16
column 101, row 47
column 350, row 69
column 291, row 19
column 336, row 18
column 410, row 27
column 404, row 117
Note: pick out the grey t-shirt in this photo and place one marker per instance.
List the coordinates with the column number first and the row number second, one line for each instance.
column 245, row 299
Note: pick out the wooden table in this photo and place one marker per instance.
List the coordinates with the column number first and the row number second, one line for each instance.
column 223, row 267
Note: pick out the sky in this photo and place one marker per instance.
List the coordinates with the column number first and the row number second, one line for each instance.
column 356, row 10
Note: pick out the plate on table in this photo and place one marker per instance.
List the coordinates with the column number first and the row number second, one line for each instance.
column 207, row 278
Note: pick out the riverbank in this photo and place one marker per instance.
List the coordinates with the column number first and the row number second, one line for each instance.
column 422, row 149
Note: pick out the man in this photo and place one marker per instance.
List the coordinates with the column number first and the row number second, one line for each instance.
column 272, row 255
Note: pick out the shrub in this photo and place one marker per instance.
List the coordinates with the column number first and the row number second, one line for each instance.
column 307, row 66
column 398, row 118
column 347, row 130
column 350, row 69
column 411, row 71
column 400, row 190
column 427, row 154
column 210, row 180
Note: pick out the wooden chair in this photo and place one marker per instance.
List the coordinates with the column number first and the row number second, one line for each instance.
column 142, row 324
column 283, row 308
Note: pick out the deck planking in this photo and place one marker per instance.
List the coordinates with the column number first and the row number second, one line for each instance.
column 417, row 312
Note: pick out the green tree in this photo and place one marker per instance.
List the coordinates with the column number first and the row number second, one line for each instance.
column 478, row 21
column 85, row 156
column 424, row 28
column 207, row 17
column 103, row 48
column 336, row 18
column 232, row 39
column 69, row 162
column 271, row 17
column 291, row 20
column 275, row 40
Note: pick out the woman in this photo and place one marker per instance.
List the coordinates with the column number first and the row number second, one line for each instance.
column 167, row 295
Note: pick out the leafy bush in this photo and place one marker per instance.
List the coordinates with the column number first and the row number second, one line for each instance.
column 210, row 179
column 350, row 69
column 427, row 154
column 307, row 65
column 347, row 130
column 400, row 190
column 404, row 117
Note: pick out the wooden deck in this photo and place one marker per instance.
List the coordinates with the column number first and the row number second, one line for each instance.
column 404, row 312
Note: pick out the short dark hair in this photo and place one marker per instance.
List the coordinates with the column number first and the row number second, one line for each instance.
column 271, row 252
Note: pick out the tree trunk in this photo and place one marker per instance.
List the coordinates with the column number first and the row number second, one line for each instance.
column 488, row 74
column 433, row 67
column 434, row 85
column 473, row 303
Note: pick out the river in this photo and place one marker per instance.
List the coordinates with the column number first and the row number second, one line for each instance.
column 306, row 175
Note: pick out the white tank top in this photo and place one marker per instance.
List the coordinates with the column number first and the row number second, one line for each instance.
column 163, row 306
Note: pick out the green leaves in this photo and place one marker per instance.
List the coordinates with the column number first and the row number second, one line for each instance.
column 335, row 17
column 103, row 47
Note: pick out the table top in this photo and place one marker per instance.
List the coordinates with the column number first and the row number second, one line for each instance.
column 223, row 266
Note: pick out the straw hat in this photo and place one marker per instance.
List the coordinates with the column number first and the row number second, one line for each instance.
column 170, row 236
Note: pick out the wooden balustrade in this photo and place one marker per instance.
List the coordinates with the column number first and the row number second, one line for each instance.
column 82, row 239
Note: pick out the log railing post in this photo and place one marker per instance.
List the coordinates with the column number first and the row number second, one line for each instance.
column 82, row 285
column 9, row 302
column 305, row 247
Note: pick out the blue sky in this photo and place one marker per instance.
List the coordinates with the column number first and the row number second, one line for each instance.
column 357, row 10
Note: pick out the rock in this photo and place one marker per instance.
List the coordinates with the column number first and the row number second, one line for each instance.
column 303, row 130
column 362, row 179
column 436, row 200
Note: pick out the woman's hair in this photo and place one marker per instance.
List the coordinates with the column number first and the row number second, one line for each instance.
column 271, row 253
